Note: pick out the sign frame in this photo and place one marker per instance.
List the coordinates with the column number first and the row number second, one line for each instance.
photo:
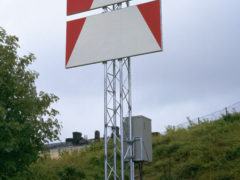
column 143, row 17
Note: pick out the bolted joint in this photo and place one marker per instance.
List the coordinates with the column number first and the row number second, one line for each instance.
column 130, row 141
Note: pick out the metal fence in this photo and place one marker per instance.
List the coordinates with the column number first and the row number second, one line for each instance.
column 213, row 116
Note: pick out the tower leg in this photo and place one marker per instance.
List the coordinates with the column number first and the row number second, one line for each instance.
column 117, row 101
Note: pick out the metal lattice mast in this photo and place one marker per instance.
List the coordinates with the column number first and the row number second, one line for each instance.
column 117, row 104
column 111, row 140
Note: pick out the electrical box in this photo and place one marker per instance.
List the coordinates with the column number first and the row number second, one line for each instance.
column 142, row 139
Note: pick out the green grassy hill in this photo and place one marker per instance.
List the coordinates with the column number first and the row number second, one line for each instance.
column 206, row 151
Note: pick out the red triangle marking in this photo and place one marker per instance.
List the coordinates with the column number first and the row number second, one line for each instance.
column 76, row 6
column 151, row 13
column 74, row 29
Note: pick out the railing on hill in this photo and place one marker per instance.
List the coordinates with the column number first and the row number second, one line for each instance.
column 213, row 116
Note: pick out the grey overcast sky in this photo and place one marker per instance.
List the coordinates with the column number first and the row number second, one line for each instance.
column 197, row 73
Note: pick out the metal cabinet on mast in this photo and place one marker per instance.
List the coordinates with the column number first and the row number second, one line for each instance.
column 142, row 135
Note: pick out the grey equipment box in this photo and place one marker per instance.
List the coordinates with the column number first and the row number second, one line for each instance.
column 142, row 134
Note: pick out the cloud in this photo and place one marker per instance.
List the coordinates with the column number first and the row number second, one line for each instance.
column 196, row 74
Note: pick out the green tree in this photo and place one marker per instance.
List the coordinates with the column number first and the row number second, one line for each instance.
column 26, row 119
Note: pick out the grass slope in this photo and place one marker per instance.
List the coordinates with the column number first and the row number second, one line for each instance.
column 206, row 151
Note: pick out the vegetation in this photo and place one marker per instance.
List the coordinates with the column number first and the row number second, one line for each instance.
column 209, row 150
column 26, row 119
column 204, row 151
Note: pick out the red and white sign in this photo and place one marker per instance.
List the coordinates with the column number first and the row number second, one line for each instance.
column 77, row 6
column 127, row 32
